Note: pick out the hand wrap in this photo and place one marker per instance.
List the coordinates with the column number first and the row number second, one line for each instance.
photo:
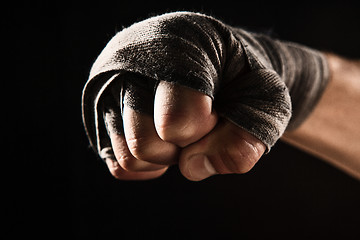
column 261, row 84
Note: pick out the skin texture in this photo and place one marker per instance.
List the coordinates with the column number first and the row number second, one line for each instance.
column 186, row 131
column 200, row 142
column 332, row 131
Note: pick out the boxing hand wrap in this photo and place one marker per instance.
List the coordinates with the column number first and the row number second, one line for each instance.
column 260, row 84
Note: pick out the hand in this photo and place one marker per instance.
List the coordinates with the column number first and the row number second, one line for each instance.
column 258, row 85
column 183, row 130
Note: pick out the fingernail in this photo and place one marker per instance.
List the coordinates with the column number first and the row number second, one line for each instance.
column 200, row 167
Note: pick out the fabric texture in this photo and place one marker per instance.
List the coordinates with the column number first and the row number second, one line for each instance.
column 262, row 85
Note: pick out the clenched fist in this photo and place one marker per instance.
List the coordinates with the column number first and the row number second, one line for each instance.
column 184, row 88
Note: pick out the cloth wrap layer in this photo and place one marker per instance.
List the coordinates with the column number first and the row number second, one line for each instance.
column 261, row 84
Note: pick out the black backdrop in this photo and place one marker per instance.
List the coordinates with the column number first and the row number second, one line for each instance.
column 56, row 187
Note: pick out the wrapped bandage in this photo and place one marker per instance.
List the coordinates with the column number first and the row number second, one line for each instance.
column 262, row 85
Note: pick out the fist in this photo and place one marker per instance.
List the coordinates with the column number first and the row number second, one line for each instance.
column 183, row 88
column 184, row 129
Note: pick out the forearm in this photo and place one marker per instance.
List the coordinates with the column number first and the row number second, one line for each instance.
column 332, row 130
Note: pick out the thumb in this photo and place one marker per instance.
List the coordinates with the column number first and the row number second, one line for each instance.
column 226, row 149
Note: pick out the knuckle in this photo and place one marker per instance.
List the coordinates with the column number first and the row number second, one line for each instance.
column 182, row 115
column 174, row 127
column 124, row 157
column 150, row 150
column 132, row 164
column 240, row 156
column 139, row 147
column 126, row 161
column 115, row 170
column 184, row 128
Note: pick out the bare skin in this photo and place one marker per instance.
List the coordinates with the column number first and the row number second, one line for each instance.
column 204, row 144
column 332, row 131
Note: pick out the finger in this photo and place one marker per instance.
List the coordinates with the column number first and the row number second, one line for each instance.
column 119, row 173
column 125, row 158
column 120, row 149
column 182, row 115
column 227, row 149
column 143, row 142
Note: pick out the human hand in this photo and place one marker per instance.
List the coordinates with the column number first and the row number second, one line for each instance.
column 185, row 130
column 188, row 89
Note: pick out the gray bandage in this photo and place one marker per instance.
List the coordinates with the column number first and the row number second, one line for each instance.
column 261, row 84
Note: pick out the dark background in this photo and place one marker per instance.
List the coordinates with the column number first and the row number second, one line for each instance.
column 56, row 187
